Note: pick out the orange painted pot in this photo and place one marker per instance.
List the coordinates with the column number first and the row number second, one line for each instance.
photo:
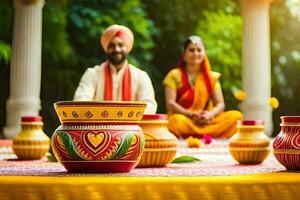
column 160, row 143
column 98, row 137
column 286, row 145
column 249, row 145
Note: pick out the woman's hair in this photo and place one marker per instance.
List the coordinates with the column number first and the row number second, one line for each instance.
column 192, row 39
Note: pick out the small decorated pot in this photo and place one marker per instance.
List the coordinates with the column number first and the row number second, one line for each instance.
column 160, row 143
column 101, row 137
column 31, row 143
column 286, row 145
column 249, row 145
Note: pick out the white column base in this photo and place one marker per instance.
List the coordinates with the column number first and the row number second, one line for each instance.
column 16, row 108
column 258, row 111
column 10, row 132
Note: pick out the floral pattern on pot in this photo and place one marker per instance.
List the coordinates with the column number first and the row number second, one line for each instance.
column 97, row 145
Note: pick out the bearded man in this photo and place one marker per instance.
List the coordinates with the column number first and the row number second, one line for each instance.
column 116, row 79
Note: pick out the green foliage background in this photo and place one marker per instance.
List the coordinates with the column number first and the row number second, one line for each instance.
column 71, row 31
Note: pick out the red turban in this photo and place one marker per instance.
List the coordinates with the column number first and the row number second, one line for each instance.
column 117, row 31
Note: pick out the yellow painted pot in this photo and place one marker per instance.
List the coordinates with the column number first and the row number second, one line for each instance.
column 31, row 143
column 249, row 145
column 160, row 144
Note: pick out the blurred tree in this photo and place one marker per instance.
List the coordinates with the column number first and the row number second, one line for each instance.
column 58, row 63
column 222, row 38
column 285, row 27
column 177, row 19
column 5, row 51
column 6, row 25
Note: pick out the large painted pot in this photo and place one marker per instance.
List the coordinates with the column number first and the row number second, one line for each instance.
column 100, row 137
column 249, row 145
column 286, row 145
column 160, row 143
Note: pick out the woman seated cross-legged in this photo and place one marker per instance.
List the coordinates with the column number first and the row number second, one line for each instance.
column 194, row 97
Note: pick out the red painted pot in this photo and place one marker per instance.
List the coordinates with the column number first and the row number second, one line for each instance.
column 98, row 137
column 286, row 146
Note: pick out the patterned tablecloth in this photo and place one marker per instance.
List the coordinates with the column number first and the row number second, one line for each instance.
column 215, row 161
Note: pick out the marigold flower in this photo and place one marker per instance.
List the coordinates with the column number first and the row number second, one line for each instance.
column 193, row 142
column 273, row 102
column 240, row 95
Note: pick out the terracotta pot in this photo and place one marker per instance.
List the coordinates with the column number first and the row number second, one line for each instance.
column 31, row 143
column 98, row 136
column 249, row 145
column 160, row 144
column 286, row 145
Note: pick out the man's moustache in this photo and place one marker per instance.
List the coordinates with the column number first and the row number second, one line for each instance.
column 117, row 54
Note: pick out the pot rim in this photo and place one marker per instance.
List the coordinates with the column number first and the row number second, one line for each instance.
column 100, row 103
column 250, row 122
column 290, row 118
column 31, row 118
column 154, row 117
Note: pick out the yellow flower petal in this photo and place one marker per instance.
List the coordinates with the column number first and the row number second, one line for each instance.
column 193, row 142
column 273, row 102
column 240, row 95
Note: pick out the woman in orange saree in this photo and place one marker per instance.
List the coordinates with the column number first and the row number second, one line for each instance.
column 194, row 98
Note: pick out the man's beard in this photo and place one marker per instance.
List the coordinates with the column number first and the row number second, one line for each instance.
column 114, row 59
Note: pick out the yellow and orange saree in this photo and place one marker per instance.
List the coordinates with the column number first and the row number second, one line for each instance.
column 196, row 99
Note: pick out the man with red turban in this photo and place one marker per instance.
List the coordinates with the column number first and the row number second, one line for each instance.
column 116, row 79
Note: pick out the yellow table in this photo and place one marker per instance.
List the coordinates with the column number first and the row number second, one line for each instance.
column 260, row 186
column 38, row 180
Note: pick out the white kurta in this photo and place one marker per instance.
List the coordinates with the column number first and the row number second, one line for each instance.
column 91, row 86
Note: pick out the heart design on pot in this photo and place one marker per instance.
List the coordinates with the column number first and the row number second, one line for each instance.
column 95, row 139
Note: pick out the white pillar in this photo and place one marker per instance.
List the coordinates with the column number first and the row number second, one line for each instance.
column 25, row 69
column 256, row 61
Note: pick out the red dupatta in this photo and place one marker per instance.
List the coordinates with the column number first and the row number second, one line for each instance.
column 126, row 84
